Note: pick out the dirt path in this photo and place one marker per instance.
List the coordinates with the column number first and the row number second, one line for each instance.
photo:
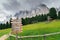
column 4, row 37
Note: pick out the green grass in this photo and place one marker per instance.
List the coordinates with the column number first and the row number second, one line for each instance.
column 53, row 37
column 41, row 28
column 13, row 38
column 5, row 31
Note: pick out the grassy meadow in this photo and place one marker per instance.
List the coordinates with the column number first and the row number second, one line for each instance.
column 4, row 31
column 41, row 28
column 38, row 29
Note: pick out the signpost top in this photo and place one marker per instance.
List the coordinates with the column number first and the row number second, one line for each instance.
column 16, row 25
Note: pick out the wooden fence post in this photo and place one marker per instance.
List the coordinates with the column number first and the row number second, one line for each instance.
column 16, row 35
column 44, row 37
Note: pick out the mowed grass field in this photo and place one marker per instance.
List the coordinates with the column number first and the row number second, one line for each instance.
column 40, row 28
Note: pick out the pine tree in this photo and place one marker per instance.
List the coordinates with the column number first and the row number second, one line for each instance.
column 59, row 15
column 7, row 24
column 53, row 13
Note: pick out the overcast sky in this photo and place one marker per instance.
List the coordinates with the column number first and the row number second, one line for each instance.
column 7, row 7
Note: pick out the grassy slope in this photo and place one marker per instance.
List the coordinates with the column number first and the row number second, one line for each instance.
column 5, row 31
column 41, row 28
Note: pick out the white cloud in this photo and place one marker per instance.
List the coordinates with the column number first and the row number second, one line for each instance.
column 10, row 7
column 3, row 16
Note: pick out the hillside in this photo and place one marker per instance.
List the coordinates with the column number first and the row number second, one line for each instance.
column 5, row 31
column 41, row 28
column 38, row 29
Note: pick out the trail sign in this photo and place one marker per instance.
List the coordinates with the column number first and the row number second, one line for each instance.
column 16, row 26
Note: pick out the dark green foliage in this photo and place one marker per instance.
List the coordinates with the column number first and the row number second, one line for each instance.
column 35, row 19
column 59, row 15
column 53, row 13
column 6, row 25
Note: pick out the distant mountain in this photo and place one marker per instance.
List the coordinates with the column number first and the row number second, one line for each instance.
column 40, row 9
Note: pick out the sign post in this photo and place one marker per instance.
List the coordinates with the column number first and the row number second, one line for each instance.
column 16, row 26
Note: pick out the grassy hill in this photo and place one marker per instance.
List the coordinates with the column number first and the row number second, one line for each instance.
column 40, row 28
column 5, row 31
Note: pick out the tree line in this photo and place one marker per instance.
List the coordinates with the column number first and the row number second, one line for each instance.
column 5, row 25
column 40, row 18
column 35, row 19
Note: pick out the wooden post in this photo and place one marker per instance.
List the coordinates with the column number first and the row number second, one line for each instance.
column 16, row 36
column 48, row 18
column 44, row 37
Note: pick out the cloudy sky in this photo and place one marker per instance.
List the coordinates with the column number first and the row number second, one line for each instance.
column 10, row 7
